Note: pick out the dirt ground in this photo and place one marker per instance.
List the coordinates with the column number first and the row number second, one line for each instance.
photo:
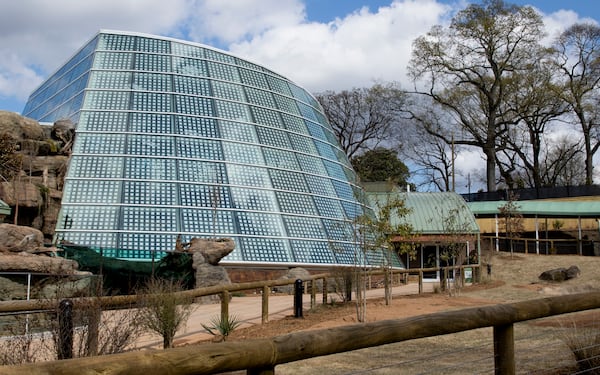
column 513, row 278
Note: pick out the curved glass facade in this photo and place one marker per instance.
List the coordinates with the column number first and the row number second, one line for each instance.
column 176, row 139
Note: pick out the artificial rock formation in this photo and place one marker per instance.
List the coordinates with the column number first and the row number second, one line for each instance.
column 206, row 254
column 560, row 274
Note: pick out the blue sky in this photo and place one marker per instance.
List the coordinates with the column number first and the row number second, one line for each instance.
column 321, row 45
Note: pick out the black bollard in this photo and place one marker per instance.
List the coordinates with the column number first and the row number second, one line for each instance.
column 298, row 290
column 65, row 329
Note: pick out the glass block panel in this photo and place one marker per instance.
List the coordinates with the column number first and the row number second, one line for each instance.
column 299, row 93
column 150, row 145
column 95, row 238
column 154, row 63
column 153, row 45
column 150, row 169
column 110, row 80
column 273, row 137
column 307, row 112
column 210, row 196
column 279, row 85
column 193, row 105
column 294, row 123
column 228, row 91
column 192, row 67
column 265, row 249
column 116, row 42
column 237, row 131
column 232, row 111
column 311, row 164
column 252, row 78
column 100, row 144
column 241, row 153
column 219, row 56
column 223, row 72
column 328, row 207
column 280, row 159
column 259, row 224
column 152, row 219
column 151, row 82
column 151, row 102
column 334, row 170
column 260, row 97
column 201, row 171
column 197, row 126
column 320, row 186
column 113, row 100
column 325, row 150
column 304, row 144
column 149, row 193
column 304, row 227
column 347, row 253
column 96, row 166
column 103, row 121
column 192, row 85
column 315, row 130
column 343, row 190
column 147, row 245
column 89, row 217
column 266, row 117
column 312, row 251
column 244, row 175
column 187, row 50
column 199, row 148
column 339, row 230
column 352, row 209
column 288, row 180
column 253, row 199
column 91, row 191
column 207, row 221
column 294, row 203
column 151, row 123
column 286, row 104
column 113, row 60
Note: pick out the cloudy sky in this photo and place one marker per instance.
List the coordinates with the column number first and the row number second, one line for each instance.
column 319, row 44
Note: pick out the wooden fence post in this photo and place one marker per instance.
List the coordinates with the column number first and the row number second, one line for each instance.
column 324, row 291
column 420, row 281
column 225, row 306
column 65, row 329
column 504, row 349
column 313, row 293
column 265, row 304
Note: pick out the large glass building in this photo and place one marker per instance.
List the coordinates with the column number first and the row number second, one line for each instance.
column 177, row 139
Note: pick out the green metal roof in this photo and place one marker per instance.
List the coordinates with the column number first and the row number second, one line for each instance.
column 541, row 208
column 4, row 208
column 430, row 213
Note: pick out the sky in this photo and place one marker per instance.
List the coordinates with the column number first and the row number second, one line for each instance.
column 319, row 44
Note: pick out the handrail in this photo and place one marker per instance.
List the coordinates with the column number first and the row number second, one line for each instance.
column 262, row 355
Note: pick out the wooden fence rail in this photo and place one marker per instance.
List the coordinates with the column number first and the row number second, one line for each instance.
column 261, row 356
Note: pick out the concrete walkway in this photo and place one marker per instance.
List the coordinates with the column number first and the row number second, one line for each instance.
column 247, row 310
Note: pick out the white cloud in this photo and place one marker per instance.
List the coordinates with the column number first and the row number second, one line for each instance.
column 352, row 51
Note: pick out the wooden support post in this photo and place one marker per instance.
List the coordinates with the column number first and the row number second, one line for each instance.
column 65, row 329
column 265, row 304
column 225, row 306
column 420, row 281
column 261, row 371
column 324, row 291
column 504, row 349
column 313, row 293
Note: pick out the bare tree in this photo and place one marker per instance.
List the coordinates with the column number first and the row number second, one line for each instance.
column 467, row 66
column 577, row 55
column 363, row 118
column 564, row 163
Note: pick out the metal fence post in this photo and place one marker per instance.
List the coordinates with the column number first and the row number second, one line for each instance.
column 65, row 329
column 298, row 299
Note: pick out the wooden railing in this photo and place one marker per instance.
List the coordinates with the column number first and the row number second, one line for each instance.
column 261, row 356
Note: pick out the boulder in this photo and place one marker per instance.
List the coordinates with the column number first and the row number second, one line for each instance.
column 20, row 127
column 292, row 274
column 560, row 274
column 206, row 255
column 28, row 194
column 212, row 250
column 16, row 238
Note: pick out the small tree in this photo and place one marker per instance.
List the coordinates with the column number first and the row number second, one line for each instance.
column 164, row 309
column 455, row 251
column 513, row 220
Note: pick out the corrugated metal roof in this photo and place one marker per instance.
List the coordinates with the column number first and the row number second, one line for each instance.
column 4, row 208
column 541, row 208
column 431, row 213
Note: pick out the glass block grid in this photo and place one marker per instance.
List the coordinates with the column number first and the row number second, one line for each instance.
column 179, row 139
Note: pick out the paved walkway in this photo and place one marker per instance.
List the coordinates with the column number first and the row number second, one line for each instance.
column 247, row 310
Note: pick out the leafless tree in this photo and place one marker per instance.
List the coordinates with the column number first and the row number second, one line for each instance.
column 363, row 118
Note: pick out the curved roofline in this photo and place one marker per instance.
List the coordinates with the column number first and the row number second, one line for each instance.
column 543, row 208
